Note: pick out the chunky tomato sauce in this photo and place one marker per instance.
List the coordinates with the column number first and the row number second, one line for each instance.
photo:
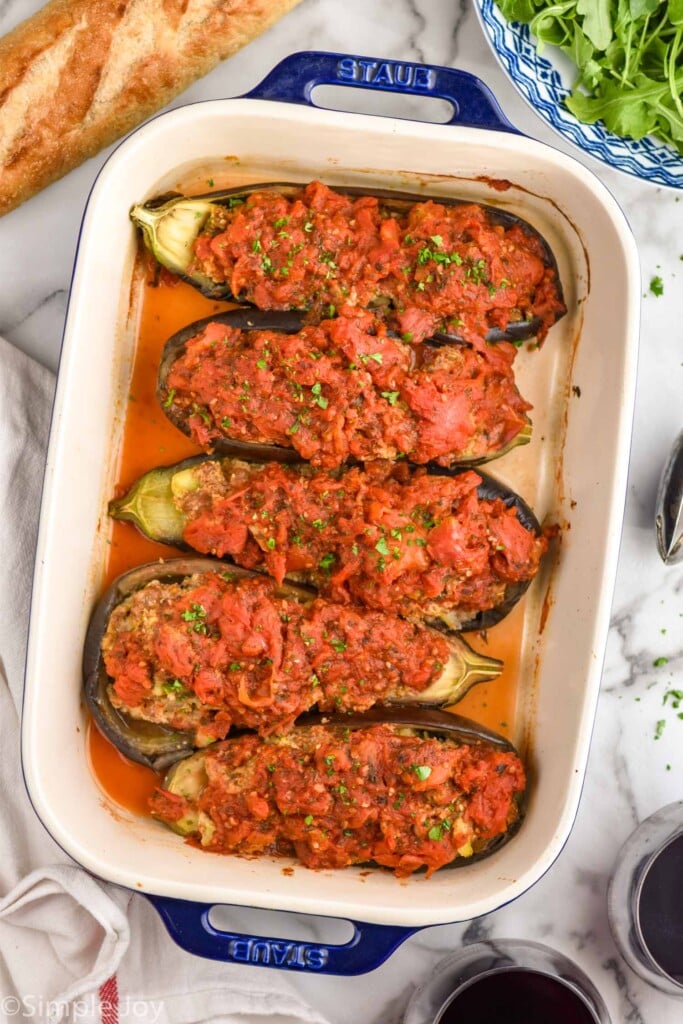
column 439, row 268
column 166, row 305
column 211, row 652
column 335, row 797
column 346, row 389
column 395, row 540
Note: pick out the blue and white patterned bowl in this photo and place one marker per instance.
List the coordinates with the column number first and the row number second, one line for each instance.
column 544, row 81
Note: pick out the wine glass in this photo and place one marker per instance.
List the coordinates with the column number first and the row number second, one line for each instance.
column 507, row 981
column 645, row 900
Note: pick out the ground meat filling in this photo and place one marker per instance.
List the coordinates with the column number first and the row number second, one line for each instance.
column 334, row 797
column 346, row 390
column 431, row 268
column 405, row 542
column 211, row 652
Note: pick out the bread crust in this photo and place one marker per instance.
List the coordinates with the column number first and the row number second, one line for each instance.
column 79, row 74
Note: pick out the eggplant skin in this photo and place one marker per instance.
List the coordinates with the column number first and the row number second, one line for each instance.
column 152, row 745
column 494, row 414
column 170, row 226
column 172, row 719
column 385, row 793
column 151, row 506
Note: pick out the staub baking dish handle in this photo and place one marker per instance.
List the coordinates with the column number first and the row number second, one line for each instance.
column 189, row 925
column 294, row 79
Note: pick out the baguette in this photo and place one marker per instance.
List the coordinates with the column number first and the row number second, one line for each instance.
column 79, row 74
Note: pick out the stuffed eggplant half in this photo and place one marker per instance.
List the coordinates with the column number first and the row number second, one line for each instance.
column 346, row 389
column 446, row 267
column 406, row 790
column 451, row 550
column 178, row 653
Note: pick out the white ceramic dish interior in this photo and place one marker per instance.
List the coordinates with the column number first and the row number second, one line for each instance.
column 574, row 470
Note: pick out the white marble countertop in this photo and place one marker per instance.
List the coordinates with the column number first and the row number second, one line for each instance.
column 630, row 774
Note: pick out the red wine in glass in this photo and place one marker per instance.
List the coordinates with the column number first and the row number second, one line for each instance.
column 507, row 981
column 645, row 900
column 517, row 997
column 660, row 909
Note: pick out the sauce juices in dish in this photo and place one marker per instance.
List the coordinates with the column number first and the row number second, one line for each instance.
column 149, row 440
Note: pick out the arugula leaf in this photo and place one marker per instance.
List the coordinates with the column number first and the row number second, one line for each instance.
column 518, row 10
column 629, row 114
column 580, row 50
column 629, row 56
column 597, row 21
column 641, row 8
column 675, row 12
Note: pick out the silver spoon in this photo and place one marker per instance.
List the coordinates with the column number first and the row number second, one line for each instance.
column 669, row 514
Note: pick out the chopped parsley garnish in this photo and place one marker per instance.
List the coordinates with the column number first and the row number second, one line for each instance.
column 476, row 271
column 327, row 561
column 195, row 615
column 270, row 543
column 256, row 245
column 660, row 662
column 175, row 686
column 339, row 645
column 318, row 397
column 423, row 771
column 381, row 546
column 308, row 820
column 437, row 831
column 659, row 729
column 657, row 286
column 375, row 356
column 169, row 399
column 391, row 396
column 202, row 413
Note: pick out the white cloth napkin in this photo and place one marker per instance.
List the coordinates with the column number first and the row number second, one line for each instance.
column 72, row 949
